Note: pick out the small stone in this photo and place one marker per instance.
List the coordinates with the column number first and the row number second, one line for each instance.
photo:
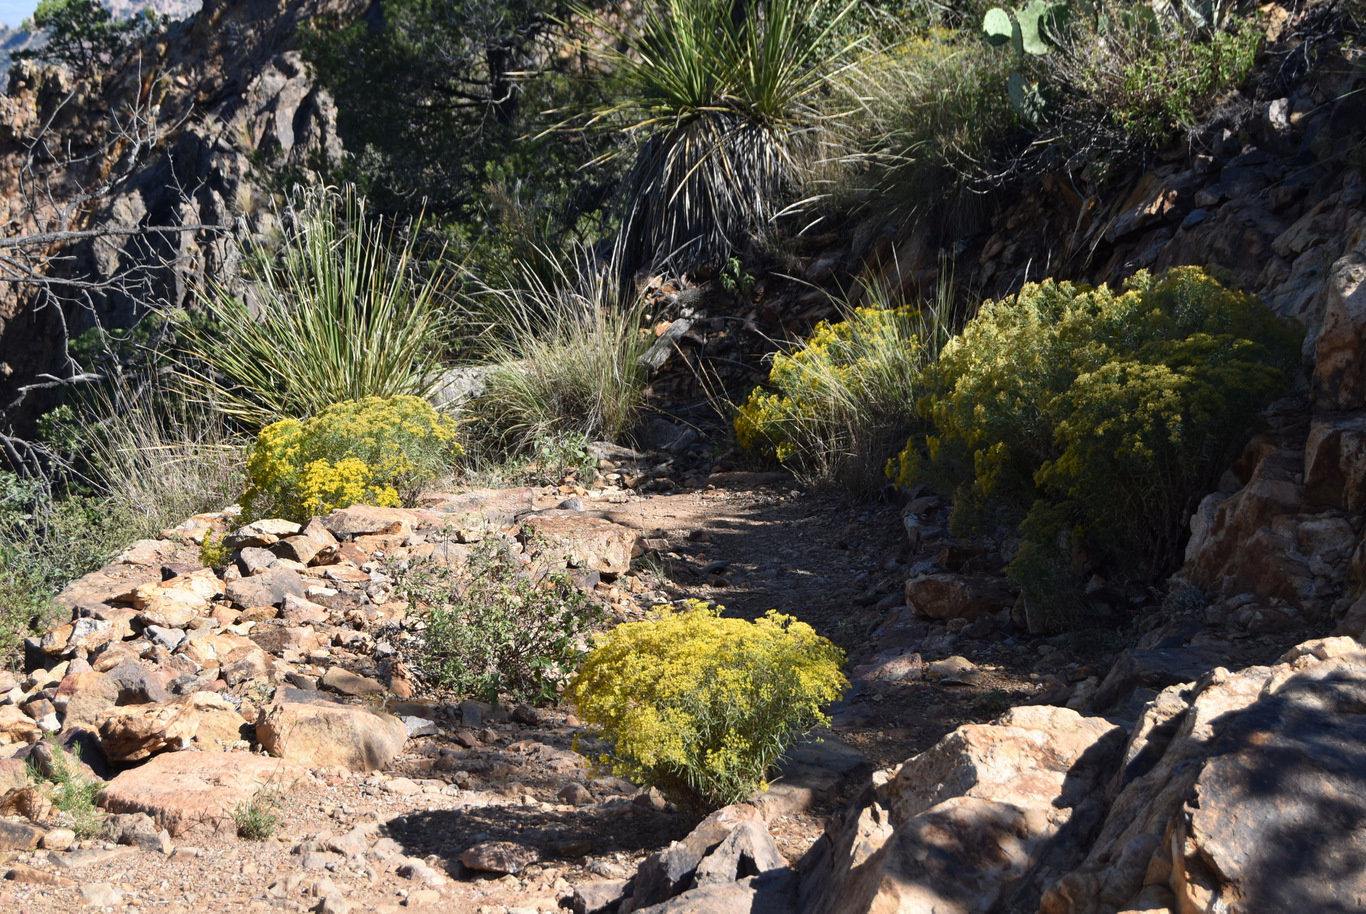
column 333, row 903
column 348, row 683
column 100, row 894
column 575, row 794
column 17, row 837
column 59, row 839
column 419, row 726
column 500, row 857
column 29, row 875
column 422, row 898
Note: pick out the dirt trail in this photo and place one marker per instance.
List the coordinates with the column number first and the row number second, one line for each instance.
column 751, row 542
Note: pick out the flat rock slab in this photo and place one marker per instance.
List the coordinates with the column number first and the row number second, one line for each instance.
column 327, row 735
column 500, row 857
column 585, row 542
column 196, row 792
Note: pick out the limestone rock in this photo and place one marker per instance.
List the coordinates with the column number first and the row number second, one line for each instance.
column 587, row 542
column 17, row 727
column 195, row 793
column 267, row 589
column 327, row 735
column 965, row 825
column 670, row 872
column 134, row 732
column 346, row 682
column 1242, row 792
column 361, row 520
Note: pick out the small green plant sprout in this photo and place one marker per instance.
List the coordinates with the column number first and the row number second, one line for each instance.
column 494, row 627
column 704, row 706
column 212, row 552
column 71, row 792
column 377, row 450
column 258, row 818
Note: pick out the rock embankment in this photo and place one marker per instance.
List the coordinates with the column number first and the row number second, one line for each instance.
column 1241, row 791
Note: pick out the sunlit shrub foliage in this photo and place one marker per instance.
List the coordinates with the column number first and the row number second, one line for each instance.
column 377, row 451
column 836, row 407
column 704, row 706
column 1093, row 420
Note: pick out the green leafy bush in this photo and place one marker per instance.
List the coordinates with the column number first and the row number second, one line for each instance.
column 82, row 33
column 377, row 451
column 838, row 406
column 496, row 627
column 930, row 117
column 705, row 706
column 342, row 312
column 46, row 542
column 71, row 792
column 1095, row 420
column 1149, row 82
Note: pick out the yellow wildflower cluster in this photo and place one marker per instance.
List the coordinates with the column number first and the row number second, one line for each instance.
column 704, row 705
column 377, row 450
column 1094, row 418
column 846, row 380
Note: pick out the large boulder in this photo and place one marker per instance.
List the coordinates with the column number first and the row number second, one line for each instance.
column 323, row 734
column 957, row 596
column 582, row 541
column 972, row 824
column 195, row 794
column 1245, row 791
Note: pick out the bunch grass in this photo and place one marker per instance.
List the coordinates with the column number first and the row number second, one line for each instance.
column 341, row 311
column 566, row 359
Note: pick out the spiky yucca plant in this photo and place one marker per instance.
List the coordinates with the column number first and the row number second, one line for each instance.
column 725, row 95
column 340, row 313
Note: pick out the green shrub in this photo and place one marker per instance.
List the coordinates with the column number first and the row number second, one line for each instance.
column 496, row 627
column 47, row 541
column 1150, row 83
column 71, row 792
column 704, row 706
column 337, row 316
column 837, row 407
column 257, row 819
column 1095, row 420
column 930, row 115
column 377, row 451
column 82, row 33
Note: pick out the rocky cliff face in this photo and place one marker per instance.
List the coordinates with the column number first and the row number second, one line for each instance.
column 155, row 164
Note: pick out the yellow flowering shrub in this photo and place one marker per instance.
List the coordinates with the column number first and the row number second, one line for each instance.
column 1094, row 420
column 377, row 450
column 835, row 408
column 704, row 706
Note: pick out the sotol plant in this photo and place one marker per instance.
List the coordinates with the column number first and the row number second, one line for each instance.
column 342, row 312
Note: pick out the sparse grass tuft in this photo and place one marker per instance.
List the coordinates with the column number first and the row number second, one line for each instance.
column 71, row 792
column 258, row 818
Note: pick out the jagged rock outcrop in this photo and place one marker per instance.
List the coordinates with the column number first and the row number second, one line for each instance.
column 170, row 139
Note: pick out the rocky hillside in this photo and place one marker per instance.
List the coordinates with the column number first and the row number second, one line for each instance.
column 121, row 193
